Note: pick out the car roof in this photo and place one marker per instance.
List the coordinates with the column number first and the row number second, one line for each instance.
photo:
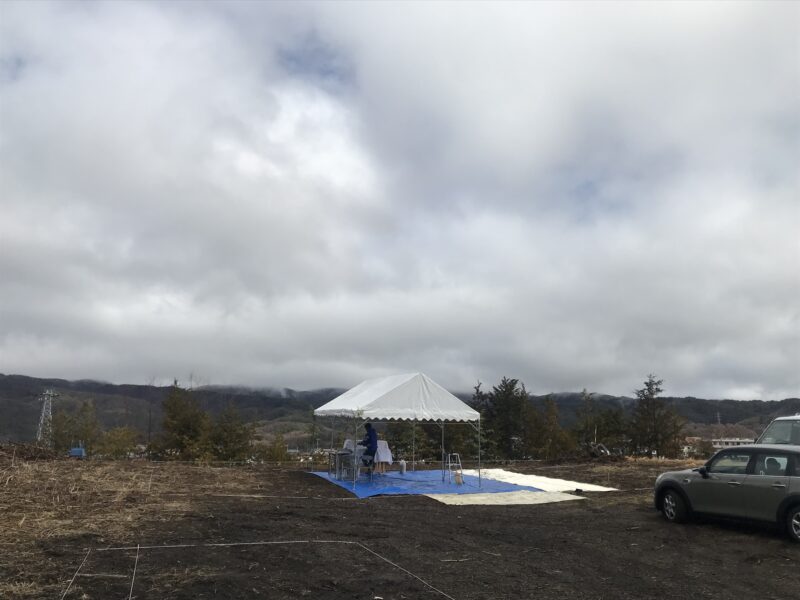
column 788, row 418
column 771, row 447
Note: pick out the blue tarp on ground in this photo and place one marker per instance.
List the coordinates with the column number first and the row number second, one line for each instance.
column 421, row 482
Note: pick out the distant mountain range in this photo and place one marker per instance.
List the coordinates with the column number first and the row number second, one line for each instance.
column 287, row 410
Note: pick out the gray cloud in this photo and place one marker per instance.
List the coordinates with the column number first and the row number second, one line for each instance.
column 303, row 195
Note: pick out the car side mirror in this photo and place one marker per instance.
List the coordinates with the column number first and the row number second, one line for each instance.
column 703, row 472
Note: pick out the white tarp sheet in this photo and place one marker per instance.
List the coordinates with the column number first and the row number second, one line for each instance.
column 548, row 484
column 408, row 397
column 504, row 498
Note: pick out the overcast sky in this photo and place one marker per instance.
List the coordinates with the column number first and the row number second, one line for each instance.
column 306, row 195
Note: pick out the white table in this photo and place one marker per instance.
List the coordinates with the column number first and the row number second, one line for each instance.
column 382, row 455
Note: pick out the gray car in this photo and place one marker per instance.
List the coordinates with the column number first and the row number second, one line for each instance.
column 760, row 482
column 783, row 430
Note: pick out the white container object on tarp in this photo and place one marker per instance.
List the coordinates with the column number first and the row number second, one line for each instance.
column 402, row 467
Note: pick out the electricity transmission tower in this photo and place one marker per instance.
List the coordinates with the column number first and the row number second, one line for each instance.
column 44, row 435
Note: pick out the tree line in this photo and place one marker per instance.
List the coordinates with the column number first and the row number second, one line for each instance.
column 187, row 433
column 512, row 428
column 83, row 429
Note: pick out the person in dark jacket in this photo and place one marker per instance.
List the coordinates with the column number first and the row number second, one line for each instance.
column 370, row 443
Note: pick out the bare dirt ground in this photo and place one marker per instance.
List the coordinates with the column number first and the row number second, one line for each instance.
column 94, row 530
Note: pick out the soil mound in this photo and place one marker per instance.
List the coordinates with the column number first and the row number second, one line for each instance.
column 11, row 450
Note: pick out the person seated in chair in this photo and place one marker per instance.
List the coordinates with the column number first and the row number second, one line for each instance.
column 370, row 443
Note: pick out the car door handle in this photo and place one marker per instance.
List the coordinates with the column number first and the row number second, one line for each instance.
column 734, row 483
column 778, row 485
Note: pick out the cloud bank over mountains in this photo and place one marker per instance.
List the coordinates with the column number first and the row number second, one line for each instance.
column 311, row 194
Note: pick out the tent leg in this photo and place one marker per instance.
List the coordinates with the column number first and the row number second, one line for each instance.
column 442, row 426
column 355, row 464
column 413, row 445
column 479, row 451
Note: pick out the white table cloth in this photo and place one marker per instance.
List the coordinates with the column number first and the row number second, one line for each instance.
column 383, row 454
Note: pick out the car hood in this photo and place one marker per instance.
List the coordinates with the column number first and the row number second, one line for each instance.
column 675, row 474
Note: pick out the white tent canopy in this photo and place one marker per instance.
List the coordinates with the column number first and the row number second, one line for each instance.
column 407, row 397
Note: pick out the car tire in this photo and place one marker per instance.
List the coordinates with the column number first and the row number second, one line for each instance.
column 793, row 523
column 673, row 507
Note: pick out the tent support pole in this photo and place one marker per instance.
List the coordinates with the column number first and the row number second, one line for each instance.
column 355, row 457
column 442, row 426
column 479, row 450
column 413, row 445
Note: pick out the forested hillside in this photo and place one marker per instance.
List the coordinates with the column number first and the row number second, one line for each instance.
column 139, row 406
column 751, row 413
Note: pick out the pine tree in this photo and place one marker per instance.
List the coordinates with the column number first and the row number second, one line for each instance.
column 118, row 442
column 313, row 431
column 510, row 399
column 186, row 428
column 607, row 427
column 277, row 450
column 231, row 437
column 412, row 440
column 482, row 403
column 612, row 429
column 87, row 427
column 513, row 428
column 532, row 430
column 505, row 415
column 655, row 427
column 587, row 426
column 555, row 441
column 63, row 431
column 460, row 438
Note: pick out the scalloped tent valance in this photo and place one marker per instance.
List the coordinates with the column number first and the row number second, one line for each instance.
column 407, row 397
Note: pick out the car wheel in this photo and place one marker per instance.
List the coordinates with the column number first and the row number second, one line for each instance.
column 673, row 506
column 793, row 523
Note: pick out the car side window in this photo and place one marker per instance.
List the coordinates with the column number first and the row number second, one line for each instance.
column 732, row 463
column 771, row 464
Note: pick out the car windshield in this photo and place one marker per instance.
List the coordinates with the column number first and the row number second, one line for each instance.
column 781, row 432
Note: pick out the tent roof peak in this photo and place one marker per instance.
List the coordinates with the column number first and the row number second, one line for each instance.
column 407, row 396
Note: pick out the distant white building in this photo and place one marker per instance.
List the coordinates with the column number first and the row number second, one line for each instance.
column 691, row 446
column 720, row 443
